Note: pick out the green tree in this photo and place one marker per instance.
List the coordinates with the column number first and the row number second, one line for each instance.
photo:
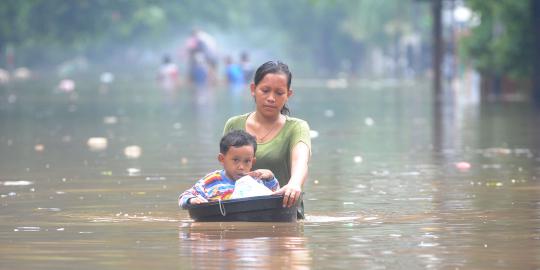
column 501, row 44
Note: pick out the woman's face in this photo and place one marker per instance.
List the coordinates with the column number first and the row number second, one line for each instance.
column 271, row 94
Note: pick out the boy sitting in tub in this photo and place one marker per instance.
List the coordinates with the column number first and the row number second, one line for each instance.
column 237, row 156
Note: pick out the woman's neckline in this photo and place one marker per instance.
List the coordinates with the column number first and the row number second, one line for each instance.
column 272, row 138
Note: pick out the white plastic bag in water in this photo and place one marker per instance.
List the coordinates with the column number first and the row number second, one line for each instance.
column 247, row 186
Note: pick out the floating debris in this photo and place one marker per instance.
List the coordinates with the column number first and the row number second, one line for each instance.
column 66, row 139
column 66, row 85
column 329, row 113
column 110, row 120
column 155, row 178
column 423, row 244
column 313, row 134
column 523, row 152
column 97, row 143
column 184, row 161
column 177, row 126
column 410, row 173
column 369, row 121
column 12, row 98
column 358, row 159
column 39, row 147
column 380, row 173
column 52, row 209
column 496, row 151
column 17, row 183
column 494, row 184
column 491, row 166
column 22, row 73
column 106, row 77
column 132, row 152
column 338, row 83
column 4, row 76
column 316, row 182
column 463, row 166
column 27, row 229
column 133, row 171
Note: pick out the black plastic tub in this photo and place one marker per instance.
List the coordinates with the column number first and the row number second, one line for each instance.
column 254, row 209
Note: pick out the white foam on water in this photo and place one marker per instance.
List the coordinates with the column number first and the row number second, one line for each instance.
column 324, row 219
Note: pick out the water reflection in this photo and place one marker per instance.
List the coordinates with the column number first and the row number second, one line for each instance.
column 245, row 245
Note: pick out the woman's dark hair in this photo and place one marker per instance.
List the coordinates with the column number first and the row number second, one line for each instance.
column 236, row 138
column 274, row 67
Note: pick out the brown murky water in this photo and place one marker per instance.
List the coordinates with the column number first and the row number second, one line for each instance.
column 392, row 185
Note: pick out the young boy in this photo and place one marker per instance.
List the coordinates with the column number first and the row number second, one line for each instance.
column 237, row 156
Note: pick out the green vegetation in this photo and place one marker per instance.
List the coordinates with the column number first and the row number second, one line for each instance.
column 502, row 43
column 316, row 33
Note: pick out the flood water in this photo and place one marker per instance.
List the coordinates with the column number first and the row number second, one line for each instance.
column 392, row 185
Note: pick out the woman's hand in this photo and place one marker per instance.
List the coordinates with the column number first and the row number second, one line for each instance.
column 262, row 174
column 291, row 194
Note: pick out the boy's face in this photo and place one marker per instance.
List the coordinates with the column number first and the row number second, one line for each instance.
column 237, row 161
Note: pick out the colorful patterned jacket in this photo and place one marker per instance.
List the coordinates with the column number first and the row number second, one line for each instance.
column 216, row 186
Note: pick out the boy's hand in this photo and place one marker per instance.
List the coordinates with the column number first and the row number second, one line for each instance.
column 196, row 201
column 262, row 174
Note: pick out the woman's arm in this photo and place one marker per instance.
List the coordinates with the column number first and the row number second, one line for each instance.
column 299, row 171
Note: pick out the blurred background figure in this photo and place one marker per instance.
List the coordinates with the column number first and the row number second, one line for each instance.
column 4, row 76
column 202, row 62
column 234, row 74
column 210, row 50
column 168, row 74
column 247, row 66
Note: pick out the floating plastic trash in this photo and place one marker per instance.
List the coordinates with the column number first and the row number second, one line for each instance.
column 369, row 121
column 110, row 120
column 329, row 113
column 133, row 171
column 97, row 143
column 106, row 77
column 247, row 186
column 252, row 209
column 132, row 152
column 22, row 73
column 39, row 147
column 4, row 76
column 16, row 183
column 463, row 166
column 184, row 161
column 66, row 85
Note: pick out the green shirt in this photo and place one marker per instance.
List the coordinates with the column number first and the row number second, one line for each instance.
column 275, row 155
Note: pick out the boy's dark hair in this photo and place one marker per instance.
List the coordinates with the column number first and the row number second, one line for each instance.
column 236, row 138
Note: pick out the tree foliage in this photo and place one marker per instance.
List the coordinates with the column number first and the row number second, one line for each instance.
column 325, row 31
column 501, row 43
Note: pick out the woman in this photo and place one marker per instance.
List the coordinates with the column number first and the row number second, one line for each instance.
column 283, row 142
